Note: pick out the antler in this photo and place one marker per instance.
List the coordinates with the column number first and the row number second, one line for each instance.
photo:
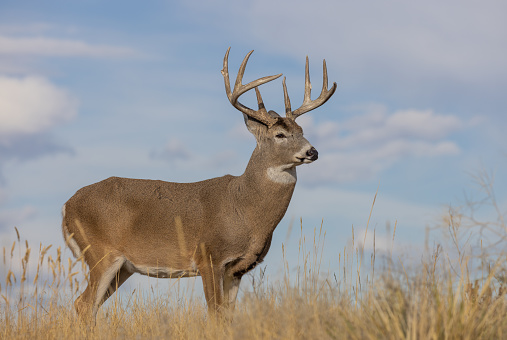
column 261, row 114
column 308, row 104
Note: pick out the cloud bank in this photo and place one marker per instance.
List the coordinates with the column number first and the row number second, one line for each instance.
column 29, row 108
column 52, row 47
column 370, row 142
column 31, row 105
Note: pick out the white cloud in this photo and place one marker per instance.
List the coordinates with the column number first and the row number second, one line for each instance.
column 377, row 126
column 32, row 105
column 373, row 141
column 42, row 46
column 422, row 124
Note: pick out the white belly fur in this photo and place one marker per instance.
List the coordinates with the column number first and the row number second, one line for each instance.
column 161, row 272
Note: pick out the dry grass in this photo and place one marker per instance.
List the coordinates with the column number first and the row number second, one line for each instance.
column 429, row 303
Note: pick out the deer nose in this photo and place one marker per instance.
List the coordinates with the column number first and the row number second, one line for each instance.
column 312, row 153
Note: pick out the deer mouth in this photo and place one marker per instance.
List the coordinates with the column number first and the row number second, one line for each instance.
column 305, row 160
column 309, row 156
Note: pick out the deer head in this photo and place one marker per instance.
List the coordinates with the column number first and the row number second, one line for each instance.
column 281, row 137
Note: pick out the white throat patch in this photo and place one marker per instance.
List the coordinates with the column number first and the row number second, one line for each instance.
column 282, row 174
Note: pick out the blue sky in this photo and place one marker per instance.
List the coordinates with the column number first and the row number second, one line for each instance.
column 93, row 89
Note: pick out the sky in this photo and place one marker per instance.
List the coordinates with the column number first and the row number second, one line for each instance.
column 93, row 89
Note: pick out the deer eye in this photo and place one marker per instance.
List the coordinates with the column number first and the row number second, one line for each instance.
column 280, row 135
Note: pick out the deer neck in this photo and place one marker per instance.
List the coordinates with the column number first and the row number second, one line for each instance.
column 264, row 191
column 262, row 173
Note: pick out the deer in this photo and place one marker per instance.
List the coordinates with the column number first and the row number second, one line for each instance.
column 218, row 228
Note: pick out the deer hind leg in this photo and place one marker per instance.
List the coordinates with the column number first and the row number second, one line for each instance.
column 101, row 277
column 121, row 276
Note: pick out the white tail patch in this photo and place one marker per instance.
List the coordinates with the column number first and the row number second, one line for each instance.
column 282, row 174
column 69, row 238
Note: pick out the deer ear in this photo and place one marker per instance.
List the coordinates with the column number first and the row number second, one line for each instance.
column 255, row 126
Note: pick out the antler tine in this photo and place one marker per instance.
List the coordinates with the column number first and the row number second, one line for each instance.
column 286, row 99
column 309, row 104
column 261, row 114
column 308, row 85
column 260, row 103
column 225, row 73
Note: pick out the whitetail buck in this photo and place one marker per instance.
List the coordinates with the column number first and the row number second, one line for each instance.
column 219, row 228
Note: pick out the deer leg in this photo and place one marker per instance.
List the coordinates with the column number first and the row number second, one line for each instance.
column 84, row 302
column 121, row 276
column 212, row 280
column 231, row 288
column 101, row 275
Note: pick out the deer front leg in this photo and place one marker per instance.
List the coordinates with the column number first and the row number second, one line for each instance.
column 231, row 288
column 213, row 284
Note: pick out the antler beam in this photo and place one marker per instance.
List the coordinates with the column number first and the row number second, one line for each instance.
column 261, row 114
